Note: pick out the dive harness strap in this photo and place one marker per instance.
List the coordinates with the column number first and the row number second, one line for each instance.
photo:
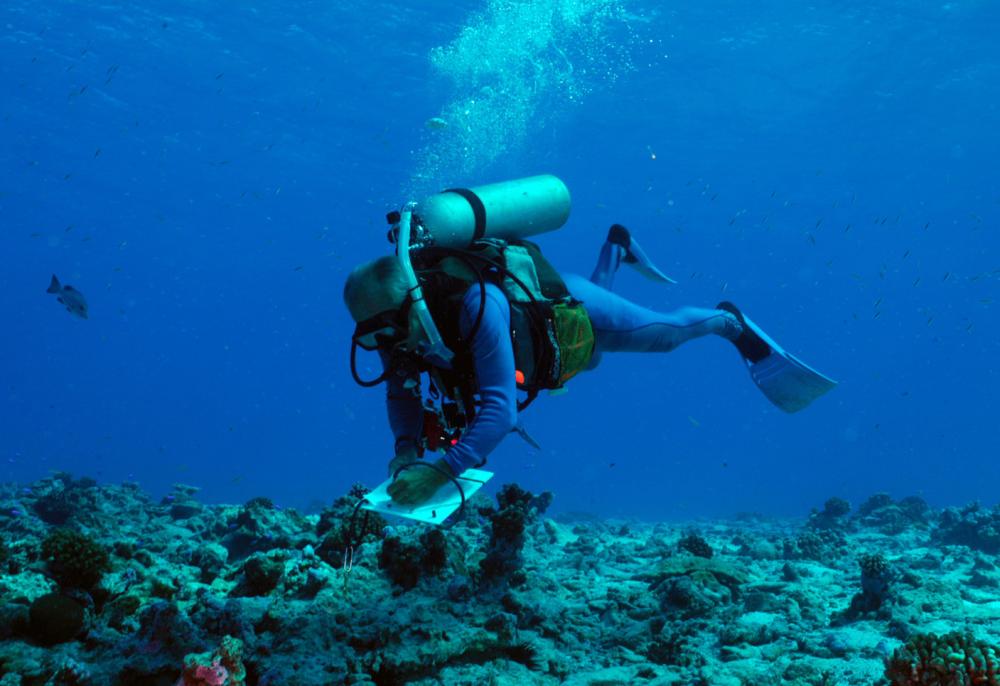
column 478, row 210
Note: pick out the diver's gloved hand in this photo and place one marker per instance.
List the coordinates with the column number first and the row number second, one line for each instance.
column 417, row 484
column 405, row 455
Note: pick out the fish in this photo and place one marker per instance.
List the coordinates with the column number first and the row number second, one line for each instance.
column 436, row 123
column 70, row 297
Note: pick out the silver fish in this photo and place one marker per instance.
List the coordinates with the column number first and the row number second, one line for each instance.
column 70, row 297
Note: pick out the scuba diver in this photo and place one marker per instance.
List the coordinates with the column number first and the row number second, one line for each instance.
column 475, row 309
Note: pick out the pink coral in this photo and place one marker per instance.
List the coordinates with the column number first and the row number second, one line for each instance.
column 224, row 667
column 203, row 675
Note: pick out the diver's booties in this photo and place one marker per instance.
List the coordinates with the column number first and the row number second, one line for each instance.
column 752, row 347
column 633, row 255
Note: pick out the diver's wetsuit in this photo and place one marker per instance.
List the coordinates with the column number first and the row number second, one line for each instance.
column 619, row 326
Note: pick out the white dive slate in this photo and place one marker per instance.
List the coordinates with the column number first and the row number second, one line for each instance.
column 434, row 511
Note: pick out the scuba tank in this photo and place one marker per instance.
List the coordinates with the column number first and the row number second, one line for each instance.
column 509, row 210
column 458, row 217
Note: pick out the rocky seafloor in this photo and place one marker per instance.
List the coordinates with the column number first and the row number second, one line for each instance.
column 103, row 585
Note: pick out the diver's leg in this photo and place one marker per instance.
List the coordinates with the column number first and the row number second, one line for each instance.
column 612, row 253
column 622, row 326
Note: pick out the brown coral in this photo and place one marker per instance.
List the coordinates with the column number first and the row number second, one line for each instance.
column 955, row 659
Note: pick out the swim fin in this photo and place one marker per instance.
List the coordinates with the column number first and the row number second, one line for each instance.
column 788, row 382
column 634, row 255
column 523, row 433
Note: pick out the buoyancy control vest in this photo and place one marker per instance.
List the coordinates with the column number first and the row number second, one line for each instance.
column 551, row 333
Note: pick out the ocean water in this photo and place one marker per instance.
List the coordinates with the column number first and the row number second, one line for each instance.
column 208, row 174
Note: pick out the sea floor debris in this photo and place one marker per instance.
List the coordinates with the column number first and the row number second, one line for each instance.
column 103, row 585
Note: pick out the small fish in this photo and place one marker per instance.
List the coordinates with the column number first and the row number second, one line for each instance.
column 70, row 297
column 436, row 123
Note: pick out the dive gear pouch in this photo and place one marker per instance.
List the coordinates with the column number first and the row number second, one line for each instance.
column 575, row 338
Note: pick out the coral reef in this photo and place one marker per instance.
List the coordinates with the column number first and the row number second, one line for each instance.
column 517, row 508
column 405, row 563
column 955, row 659
column 877, row 577
column 173, row 592
column 342, row 527
column 832, row 516
column 55, row 618
column 74, row 559
column 882, row 513
column 223, row 667
column 696, row 545
column 972, row 526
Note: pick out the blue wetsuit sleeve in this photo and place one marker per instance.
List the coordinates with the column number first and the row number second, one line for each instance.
column 493, row 360
column 406, row 413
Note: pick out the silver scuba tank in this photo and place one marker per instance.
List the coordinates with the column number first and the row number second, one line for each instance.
column 507, row 210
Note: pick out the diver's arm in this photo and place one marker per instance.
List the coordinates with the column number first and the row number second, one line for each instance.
column 406, row 412
column 493, row 358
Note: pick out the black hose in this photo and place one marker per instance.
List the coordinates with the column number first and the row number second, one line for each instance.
column 354, row 370
column 440, row 470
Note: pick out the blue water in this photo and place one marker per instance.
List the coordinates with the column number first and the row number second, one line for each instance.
column 207, row 175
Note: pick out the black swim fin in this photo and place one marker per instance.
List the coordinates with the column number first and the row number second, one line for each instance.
column 634, row 255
